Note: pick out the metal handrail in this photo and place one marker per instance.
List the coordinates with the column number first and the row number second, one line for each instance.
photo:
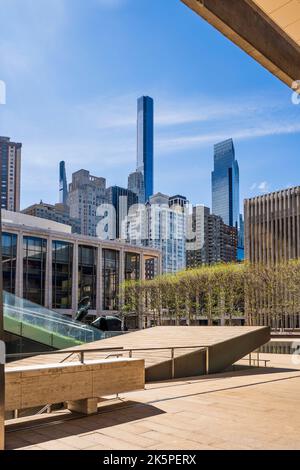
column 82, row 352
column 254, row 361
column 61, row 351
column 172, row 349
column 114, row 351
column 86, row 350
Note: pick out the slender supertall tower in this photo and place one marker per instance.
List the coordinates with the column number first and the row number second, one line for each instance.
column 145, row 143
column 63, row 186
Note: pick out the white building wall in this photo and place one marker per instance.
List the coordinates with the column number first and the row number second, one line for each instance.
column 160, row 227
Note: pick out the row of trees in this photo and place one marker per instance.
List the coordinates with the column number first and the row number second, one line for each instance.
column 261, row 294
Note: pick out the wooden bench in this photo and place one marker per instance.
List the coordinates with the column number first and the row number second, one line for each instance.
column 80, row 385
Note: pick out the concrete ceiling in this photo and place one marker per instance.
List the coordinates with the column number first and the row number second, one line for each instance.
column 267, row 30
column 285, row 13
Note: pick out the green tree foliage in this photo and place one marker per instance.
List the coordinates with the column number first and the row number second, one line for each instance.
column 261, row 294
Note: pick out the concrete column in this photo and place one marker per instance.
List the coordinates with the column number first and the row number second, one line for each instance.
column 48, row 281
column 141, row 319
column 88, row 406
column 19, row 266
column 75, row 279
column 142, row 267
column 121, row 277
column 160, row 266
column 99, row 281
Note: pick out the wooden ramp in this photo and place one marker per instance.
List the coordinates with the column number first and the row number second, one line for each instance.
column 214, row 346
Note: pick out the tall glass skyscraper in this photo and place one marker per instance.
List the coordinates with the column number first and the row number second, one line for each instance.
column 63, row 185
column 145, row 146
column 226, row 184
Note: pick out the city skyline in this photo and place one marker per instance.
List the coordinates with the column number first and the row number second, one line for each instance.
column 90, row 115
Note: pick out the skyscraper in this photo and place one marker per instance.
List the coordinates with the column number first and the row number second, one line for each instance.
column 63, row 186
column 122, row 199
column 145, row 145
column 86, row 194
column 272, row 227
column 160, row 224
column 136, row 185
column 225, row 184
column 241, row 240
column 10, row 158
column 211, row 241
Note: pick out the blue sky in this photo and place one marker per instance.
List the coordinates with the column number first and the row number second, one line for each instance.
column 74, row 69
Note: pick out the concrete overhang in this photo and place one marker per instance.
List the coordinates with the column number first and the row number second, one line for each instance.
column 268, row 30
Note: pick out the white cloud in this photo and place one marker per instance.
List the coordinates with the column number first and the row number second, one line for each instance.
column 171, row 144
column 102, row 136
column 263, row 187
column 119, row 112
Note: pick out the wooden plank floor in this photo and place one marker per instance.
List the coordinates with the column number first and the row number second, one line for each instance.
column 246, row 409
column 158, row 337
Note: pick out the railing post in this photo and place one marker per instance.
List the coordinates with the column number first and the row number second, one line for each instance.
column 130, row 353
column 173, row 362
column 250, row 360
column 258, row 359
column 207, row 361
column 82, row 357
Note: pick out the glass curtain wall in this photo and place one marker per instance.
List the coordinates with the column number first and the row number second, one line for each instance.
column 87, row 273
column 132, row 267
column 111, row 261
column 34, row 269
column 62, row 271
column 9, row 261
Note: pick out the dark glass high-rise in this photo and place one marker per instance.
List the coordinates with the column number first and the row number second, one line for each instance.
column 226, row 184
column 63, row 185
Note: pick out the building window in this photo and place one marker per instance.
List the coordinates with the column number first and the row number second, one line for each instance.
column 9, row 260
column 87, row 273
column 132, row 267
column 110, row 262
column 62, row 266
column 34, row 269
column 151, row 267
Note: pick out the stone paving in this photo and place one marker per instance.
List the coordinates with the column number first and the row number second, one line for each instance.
column 249, row 408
